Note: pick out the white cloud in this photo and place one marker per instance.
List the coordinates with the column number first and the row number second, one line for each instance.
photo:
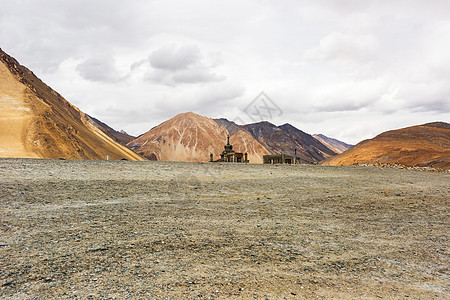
column 350, row 96
column 102, row 69
column 344, row 49
column 172, row 65
column 175, row 58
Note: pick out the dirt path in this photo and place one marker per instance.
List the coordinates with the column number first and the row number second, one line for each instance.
column 105, row 229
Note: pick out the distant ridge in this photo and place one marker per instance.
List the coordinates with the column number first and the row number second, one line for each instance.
column 191, row 137
column 334, row 144
column 120, row 137
column 283, row 139
column 36, row 121
column 426, row 145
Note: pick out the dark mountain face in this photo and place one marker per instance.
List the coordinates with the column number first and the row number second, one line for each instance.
column 442, row 125
column 120, row 137
column 283, row 139
column 229, row 125
column 270, row 136
column 310, row 146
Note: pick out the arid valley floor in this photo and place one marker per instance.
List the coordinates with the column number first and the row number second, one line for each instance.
column 165, row 230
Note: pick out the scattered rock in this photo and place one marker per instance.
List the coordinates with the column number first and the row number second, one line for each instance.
column 8, row 282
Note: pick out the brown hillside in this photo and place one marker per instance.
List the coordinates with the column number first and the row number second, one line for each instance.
column 185, row 137
column 425, row 145
column 244, row 142
column 191, row 137
column 36, row 121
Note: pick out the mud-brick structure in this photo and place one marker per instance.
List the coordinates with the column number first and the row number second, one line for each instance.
column 278, row 159
column 229, row 155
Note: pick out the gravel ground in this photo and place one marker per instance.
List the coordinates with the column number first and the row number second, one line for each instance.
column 166, row 230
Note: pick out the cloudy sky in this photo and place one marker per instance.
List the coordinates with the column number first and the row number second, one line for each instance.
column 350, row 69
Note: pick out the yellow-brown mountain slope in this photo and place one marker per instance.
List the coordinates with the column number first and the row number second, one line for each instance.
column 243, row 142
column 425, row 145
column 191, row 137
column 36, row 121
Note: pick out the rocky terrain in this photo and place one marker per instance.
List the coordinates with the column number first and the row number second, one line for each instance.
column 79, row 229
column 425, row 145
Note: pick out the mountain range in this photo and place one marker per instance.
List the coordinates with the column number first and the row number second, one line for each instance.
column 191, row 137
column 37, row 122
column 283, row 139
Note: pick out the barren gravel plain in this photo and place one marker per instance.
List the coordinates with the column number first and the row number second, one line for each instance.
column 165, row 230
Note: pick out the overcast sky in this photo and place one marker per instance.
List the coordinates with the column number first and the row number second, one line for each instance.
column 349, row 69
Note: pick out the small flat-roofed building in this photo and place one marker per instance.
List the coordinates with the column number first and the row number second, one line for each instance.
column 278, row 159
